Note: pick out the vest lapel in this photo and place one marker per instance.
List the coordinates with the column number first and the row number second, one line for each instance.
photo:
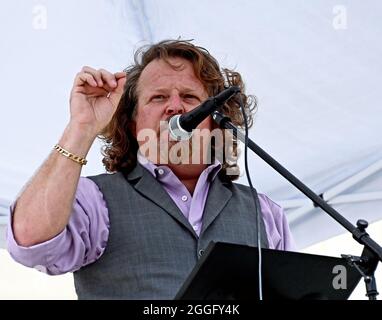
column 218, row 197
column 149, row 187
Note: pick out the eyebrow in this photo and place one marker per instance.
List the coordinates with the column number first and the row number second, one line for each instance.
column 186, row 90
column 162, row 90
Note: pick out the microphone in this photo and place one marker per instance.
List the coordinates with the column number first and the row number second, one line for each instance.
column 181, row 125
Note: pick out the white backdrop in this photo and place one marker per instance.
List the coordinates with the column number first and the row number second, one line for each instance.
column 315, row 67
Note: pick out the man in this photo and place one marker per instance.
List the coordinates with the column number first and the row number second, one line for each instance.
column 137, row 233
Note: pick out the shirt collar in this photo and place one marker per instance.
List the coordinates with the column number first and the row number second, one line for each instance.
column 212, row 170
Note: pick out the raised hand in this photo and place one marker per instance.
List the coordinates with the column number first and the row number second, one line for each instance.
column 94, row 98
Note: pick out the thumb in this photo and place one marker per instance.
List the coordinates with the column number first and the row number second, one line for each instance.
column 116, row 94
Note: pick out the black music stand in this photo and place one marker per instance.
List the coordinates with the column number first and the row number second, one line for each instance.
column 229, row 272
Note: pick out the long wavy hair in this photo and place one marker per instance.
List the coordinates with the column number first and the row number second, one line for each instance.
column 121, row 146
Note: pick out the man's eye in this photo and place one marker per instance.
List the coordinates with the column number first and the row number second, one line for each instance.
column 158, row 98
column 191, row 97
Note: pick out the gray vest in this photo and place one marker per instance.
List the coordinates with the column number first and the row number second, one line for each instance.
column 152, row 247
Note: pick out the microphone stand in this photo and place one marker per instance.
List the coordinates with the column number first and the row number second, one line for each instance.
column 372, row 252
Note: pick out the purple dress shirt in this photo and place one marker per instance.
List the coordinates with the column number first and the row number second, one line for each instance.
column 85, row 238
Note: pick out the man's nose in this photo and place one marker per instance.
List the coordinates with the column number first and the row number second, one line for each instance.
column 174, row 106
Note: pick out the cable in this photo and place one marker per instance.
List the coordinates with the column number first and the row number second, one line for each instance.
column 254, row 196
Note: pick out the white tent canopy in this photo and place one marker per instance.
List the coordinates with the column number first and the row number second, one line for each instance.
column 314, row 66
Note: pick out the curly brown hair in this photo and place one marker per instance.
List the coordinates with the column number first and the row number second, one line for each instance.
column 121, row 146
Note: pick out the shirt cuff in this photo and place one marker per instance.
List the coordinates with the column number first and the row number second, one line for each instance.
column 37, row 256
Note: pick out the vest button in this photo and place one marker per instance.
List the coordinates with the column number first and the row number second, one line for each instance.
column 201, row 251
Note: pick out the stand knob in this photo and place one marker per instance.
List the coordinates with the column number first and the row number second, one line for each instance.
column 362, row 225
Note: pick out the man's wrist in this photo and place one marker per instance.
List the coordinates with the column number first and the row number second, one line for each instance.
column 82, row 131
column 78, row 138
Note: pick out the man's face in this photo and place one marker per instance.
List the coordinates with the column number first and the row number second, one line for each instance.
column 164, row 91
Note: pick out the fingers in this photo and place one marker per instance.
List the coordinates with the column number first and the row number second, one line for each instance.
column 93, row 92
column 95, row 73
column 103, row 77
column 108, row 77
column 85, row 78
column 94, row 82
column 120, row 75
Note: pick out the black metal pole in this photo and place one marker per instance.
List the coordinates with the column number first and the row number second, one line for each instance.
column 359, row 234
